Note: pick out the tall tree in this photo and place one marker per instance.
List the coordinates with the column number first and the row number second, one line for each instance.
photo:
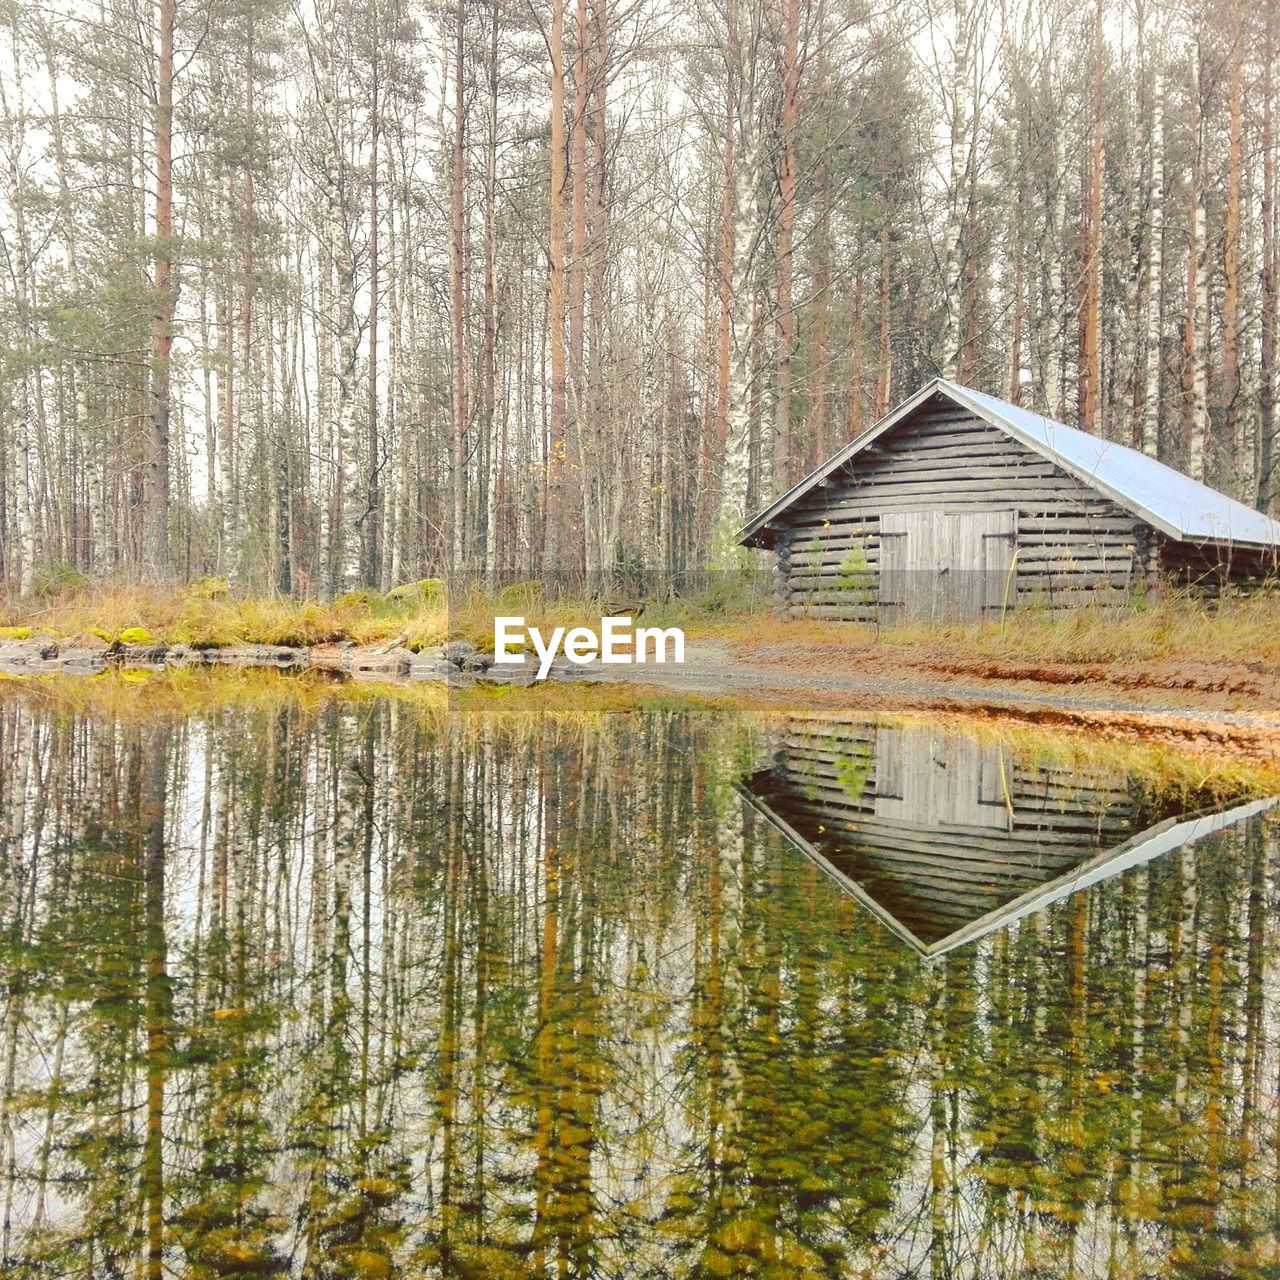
column 788, row 128
column 556, row 550
column 157, row 481
column 1091, row 244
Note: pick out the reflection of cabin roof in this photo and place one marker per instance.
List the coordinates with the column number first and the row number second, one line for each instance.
column 1183, row 508
column 939, row 871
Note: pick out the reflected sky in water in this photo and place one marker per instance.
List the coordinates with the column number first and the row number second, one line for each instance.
column 361, row 990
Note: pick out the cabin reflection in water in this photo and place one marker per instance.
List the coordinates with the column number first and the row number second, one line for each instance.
column 945, row 838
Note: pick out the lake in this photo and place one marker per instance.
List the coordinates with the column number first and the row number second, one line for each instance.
column 305, row 979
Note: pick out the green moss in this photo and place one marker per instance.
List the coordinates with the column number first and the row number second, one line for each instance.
column 125, row 635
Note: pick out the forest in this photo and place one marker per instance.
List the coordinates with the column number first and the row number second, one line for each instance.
column 320, row 294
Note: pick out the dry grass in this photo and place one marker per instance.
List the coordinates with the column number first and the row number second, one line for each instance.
column 215, row 621
column 1246, row 630
column 420, row 615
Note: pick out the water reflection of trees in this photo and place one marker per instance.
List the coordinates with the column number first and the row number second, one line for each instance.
column 362, row 993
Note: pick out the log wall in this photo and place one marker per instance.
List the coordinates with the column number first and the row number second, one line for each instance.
column 933, row 871
column 1073, row 545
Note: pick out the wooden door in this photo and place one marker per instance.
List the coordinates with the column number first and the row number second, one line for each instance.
column 931, row 780
column 938, row 566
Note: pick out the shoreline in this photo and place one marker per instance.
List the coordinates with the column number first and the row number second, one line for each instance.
column 1226, row 707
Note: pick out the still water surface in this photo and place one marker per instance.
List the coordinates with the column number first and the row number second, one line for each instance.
column 353, row 988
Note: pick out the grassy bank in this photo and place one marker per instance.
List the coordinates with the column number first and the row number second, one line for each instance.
column 1243, row 630
column 422, row 615
column 418, row 615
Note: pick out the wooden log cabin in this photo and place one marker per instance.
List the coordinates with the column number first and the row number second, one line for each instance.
column 945, row 839
column 957, row 505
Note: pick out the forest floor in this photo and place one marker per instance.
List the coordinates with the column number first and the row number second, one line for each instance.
column 1173, row 669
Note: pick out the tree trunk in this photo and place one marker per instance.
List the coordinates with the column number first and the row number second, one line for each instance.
column 737, row 454
column 884, row 354
column 958, row 157
column 1149, row 438
column 857, row 344
column 556, row 551
column 1229, row 387
column 371, row 539
column 488, row 355
column 582, row 453
column 1018, row 320
column 1270, row 276
column 598, row 255
column 1052, row 324
column 1090, row 373
column 783, row 445
column 157, row 470
column 724, row 328
column 1195, row 399
column 457, row 302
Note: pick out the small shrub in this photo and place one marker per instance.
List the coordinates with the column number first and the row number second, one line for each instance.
column 15, row 633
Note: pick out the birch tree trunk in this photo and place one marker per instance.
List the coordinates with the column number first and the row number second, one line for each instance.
column 959, row 107
column 740, row 50
column 1149, row 437
column 371, row 533
column 783, row 444
column 1194, row 374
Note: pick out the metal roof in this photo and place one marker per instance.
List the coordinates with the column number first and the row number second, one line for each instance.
column 1183, row 508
